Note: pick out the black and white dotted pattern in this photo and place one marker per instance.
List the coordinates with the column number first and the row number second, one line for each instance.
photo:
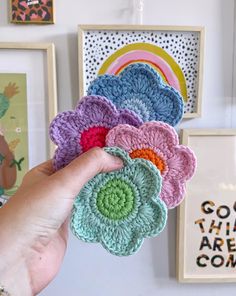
column 182, row 46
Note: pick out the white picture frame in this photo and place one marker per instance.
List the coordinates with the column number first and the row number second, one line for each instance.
column 38, row 62
column 49, row 75
column 95, row 53
column 206, row 220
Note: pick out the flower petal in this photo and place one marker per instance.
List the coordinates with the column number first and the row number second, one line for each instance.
column 152, row 218
column 129, row 117
column 168, row 105
column 182, row 164
column 139, row 78
column 121, row 241
column 125, row 137
column 146, row 177
column 108, row 86
column 159, row 135
column 65, row 127
column 84, row 224
column 172, row 192
column 65, row 154
column 96, row 110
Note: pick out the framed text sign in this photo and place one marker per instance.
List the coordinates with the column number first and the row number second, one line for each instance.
column 207, row 218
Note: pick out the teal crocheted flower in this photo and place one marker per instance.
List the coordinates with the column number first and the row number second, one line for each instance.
column 121, row 208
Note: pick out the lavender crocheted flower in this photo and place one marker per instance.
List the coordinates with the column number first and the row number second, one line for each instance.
column 75, row 132
column 140, row 88
column 119, row 209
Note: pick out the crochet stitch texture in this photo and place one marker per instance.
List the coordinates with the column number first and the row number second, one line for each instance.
column 140, row 88
column 121, row 208
column 75, row 132
column 158, row 142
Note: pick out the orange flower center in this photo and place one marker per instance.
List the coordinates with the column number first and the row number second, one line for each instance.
column 150, row 155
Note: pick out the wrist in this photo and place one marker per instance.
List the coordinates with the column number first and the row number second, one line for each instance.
column 15, row 278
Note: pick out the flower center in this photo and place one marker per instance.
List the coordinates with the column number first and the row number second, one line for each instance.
column 115, row 200
column 149, row 154
column 138, row 106
column 93, row 137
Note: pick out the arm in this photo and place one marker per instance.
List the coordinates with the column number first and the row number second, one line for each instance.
column 34, row 223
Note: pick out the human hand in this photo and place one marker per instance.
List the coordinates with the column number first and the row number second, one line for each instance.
column 34, row 223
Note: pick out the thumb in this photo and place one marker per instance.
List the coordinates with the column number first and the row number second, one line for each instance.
column 43, row 207
column 51, row 199
column 74, row 176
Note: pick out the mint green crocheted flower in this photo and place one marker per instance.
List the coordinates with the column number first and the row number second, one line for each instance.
column 121, row 208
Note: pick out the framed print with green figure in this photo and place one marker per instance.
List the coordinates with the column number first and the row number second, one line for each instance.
column 13, row 132
column 28, row 103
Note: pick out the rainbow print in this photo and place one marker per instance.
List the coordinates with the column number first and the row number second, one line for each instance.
column 152, row 55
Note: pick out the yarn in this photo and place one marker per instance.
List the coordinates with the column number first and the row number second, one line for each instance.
column 149, row 154
column 158, row 142
column 139, row 88
column 121, row 208
column 75, row 132
column 115, row 200
column 94, row 136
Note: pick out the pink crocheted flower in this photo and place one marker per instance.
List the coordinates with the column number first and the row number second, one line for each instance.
column 158, row 142
column 75, row 132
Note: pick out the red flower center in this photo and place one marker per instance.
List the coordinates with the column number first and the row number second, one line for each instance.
column 93, row 137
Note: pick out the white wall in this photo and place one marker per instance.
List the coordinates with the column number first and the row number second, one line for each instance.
column 88, row 270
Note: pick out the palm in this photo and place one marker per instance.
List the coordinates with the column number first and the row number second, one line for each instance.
column 46, row 262
column 46, row 259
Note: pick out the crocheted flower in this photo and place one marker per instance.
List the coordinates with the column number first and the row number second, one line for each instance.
column 121, row 208
column 77, row 131
column 158, row 142
column 140, row 88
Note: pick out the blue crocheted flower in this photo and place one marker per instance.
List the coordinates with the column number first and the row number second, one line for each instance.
column 140, row 89
column 121, row 208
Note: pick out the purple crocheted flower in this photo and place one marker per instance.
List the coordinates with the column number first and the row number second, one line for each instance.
column 75, row 132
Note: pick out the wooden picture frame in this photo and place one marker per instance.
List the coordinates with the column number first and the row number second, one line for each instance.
column 101, row 46
column 206, row 220
column 32, row 12
column 37, row 62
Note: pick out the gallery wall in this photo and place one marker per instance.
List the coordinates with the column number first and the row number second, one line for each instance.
column 88, row 270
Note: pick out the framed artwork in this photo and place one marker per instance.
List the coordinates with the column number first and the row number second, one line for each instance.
column 28, row 103
column 176, row 53
column 13, row 131
column 32, row 11
column 206, row 236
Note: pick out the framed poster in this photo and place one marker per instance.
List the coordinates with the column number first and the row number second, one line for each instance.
column 176, row 53
column 206, row 245
column 13, row 131
column 28, row 103
column 32, row 11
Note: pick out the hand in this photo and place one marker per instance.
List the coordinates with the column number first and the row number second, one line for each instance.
column 34, row 223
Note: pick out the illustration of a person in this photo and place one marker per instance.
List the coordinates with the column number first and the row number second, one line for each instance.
column 8, row 172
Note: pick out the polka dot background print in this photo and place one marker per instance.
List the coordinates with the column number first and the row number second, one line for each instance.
column 183, row 46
